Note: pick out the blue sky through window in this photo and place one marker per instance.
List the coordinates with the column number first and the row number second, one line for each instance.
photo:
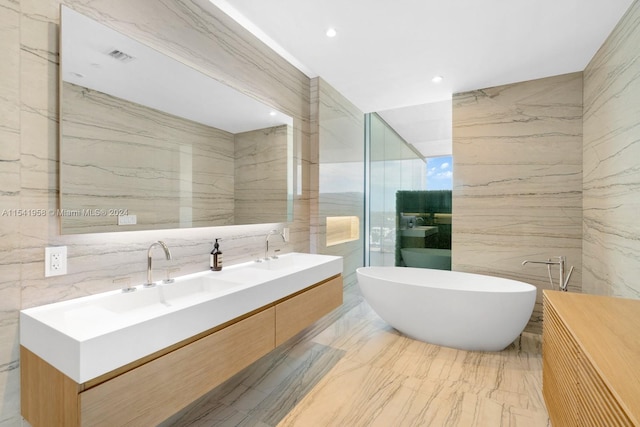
column 440, row 173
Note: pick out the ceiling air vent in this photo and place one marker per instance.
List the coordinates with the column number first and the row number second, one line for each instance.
column 120, row 55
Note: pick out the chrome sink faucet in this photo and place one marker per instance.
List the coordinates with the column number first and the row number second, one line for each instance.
column 167, row 253
column 561, row 260
column 266, row 250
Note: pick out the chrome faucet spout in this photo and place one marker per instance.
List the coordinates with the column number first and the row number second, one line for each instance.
column 167, row 254
column 270, row 233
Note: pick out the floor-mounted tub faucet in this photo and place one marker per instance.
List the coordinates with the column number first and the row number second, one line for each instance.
column 561, row 260
column 167, row 253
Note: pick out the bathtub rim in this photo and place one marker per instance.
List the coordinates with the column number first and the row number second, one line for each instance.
column 507, row 285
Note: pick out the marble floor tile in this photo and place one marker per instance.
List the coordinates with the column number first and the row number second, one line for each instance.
column 263, row 393
column 352, row 369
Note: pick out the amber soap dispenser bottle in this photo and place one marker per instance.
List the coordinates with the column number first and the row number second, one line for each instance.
column 215, row 261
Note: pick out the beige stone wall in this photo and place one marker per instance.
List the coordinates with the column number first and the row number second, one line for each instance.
column 517, row 190
column 10, row 198
column 261, row 175
column 611, row 186
column 338, row 172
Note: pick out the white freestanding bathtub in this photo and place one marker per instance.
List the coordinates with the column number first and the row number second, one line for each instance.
column 453, row 309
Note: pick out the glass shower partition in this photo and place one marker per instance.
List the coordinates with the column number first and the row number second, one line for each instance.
column 392, row 166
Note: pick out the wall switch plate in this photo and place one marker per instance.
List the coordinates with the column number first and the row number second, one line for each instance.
column 127, row 220
column 285, row 234
column 55, row 261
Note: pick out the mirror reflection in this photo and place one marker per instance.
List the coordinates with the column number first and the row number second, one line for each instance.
column 150, row 143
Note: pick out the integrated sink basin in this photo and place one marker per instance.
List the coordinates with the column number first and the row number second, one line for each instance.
column 87, row 337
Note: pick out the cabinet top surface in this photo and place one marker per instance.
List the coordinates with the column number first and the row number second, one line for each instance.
column 607, row 329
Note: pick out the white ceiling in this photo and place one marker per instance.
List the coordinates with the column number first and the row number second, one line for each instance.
column 426, row 126
column 386, row 52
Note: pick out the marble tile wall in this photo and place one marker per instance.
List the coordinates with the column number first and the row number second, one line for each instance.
column 193, row 31
column 10, row 200
column 338, row 133
column 611, row 184
column 517, row 186
column 314, row 167
column 261, row 178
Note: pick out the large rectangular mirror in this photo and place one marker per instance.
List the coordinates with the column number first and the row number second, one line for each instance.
column 148, row 142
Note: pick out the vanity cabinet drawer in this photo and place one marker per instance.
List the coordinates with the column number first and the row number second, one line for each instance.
column 171, row 382
column 302, row 310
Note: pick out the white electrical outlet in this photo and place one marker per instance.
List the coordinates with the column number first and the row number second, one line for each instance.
column 55, row 261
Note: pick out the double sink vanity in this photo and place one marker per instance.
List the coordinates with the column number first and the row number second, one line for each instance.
column 136, row 358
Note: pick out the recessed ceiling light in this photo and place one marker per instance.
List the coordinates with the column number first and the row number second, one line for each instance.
column 331, row 32
column 272, row 113
column 437, row 79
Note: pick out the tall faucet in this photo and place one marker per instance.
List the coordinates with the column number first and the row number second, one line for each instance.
column 266, row 250
column 167, row 253
column 561, row 260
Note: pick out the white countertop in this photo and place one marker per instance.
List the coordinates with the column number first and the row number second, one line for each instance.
column 90, row 336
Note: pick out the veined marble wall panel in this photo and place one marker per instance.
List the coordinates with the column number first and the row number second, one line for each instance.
column 194, row 31
column 611, row 245
column 10, row 269
column 517, row 190
column 302, row 152
column 315, row 224
column 120, row 155
column 340, row 139
column 261, row 162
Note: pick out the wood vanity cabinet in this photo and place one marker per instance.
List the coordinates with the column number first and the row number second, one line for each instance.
column 591, row 360
column 149, row 391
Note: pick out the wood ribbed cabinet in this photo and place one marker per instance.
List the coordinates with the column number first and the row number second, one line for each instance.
column 150, row 390
column 591, row 360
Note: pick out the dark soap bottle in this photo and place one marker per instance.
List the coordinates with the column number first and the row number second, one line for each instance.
column 215, row 261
